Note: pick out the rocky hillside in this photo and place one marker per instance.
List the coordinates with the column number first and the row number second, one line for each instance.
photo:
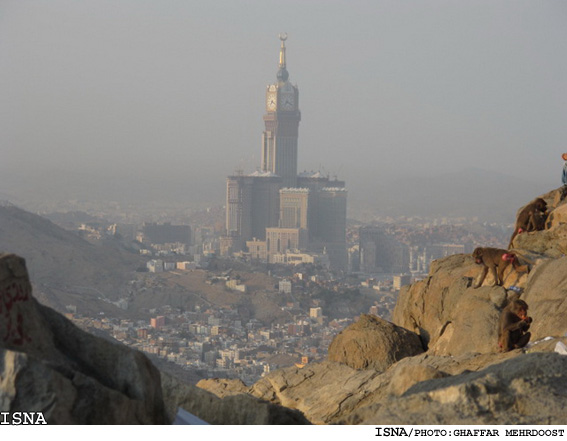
column 377, row 374
column 64, row 268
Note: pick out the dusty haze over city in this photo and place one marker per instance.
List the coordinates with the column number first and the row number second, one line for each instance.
column 441, row 101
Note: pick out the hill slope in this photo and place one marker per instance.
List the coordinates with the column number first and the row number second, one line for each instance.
column 65, row 268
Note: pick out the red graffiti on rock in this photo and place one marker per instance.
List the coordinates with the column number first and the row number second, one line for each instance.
column 10, row 297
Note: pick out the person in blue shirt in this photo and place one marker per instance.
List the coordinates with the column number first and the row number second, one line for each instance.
column 564, row 177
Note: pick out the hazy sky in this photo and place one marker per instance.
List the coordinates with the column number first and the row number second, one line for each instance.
column 163, row 88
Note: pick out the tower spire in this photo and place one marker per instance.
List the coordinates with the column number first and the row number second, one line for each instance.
column 283, row 74
column 283, row 38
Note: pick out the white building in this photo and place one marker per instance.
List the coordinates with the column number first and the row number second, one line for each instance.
column 155, row 266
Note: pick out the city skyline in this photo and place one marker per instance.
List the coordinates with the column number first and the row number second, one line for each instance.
column 125, row 99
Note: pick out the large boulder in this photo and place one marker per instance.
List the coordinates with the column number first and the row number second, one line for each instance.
column 451, row 317
column 373, row 343
column 422, row 307
column 545, row 294
column 471, row 325
column 558, row 216
column 49, row 365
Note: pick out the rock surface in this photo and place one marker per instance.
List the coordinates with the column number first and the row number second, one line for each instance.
column 531, row 389
column 322, row 391
column 451, row 317
column 407, row 376
column 329, row 392
column 223, row 387
column 372, row 342
column 232, row 409
column 50, row 365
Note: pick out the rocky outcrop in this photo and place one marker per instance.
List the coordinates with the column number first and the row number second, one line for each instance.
column 223, row 387
column 372, row 342
column 547, row 243
column 551, row 242
column 49, row 365
column 322, row 391
column 546, row 294
column 450, row 315
column 453, row 318
column 524, row 390
column 328, row 392
column 234, row 408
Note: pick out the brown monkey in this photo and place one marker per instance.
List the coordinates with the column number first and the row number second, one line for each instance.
column 513, row 326
column 525, row 221
column 492, row 258
column 536, row 222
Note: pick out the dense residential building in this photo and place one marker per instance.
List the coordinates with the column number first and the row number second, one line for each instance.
column 381, row 252
column 401, row 280
column 155, row 266
column 276, row 211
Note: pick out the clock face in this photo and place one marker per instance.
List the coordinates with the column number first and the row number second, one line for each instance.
column 271, row 102
column 287, row 102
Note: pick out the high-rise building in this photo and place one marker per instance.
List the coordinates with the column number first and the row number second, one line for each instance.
column 294, row 208
column 274, row 210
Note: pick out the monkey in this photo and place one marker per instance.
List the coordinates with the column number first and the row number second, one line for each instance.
column 513, row 326
column 492, row 258
column 525, row 221
column 536, row 221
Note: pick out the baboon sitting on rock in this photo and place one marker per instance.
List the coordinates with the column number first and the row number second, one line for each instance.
column 531, row 218
column 492, row 258
column 513, row 327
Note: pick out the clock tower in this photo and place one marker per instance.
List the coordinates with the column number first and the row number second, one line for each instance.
column 278, row 215
column 279, row 139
